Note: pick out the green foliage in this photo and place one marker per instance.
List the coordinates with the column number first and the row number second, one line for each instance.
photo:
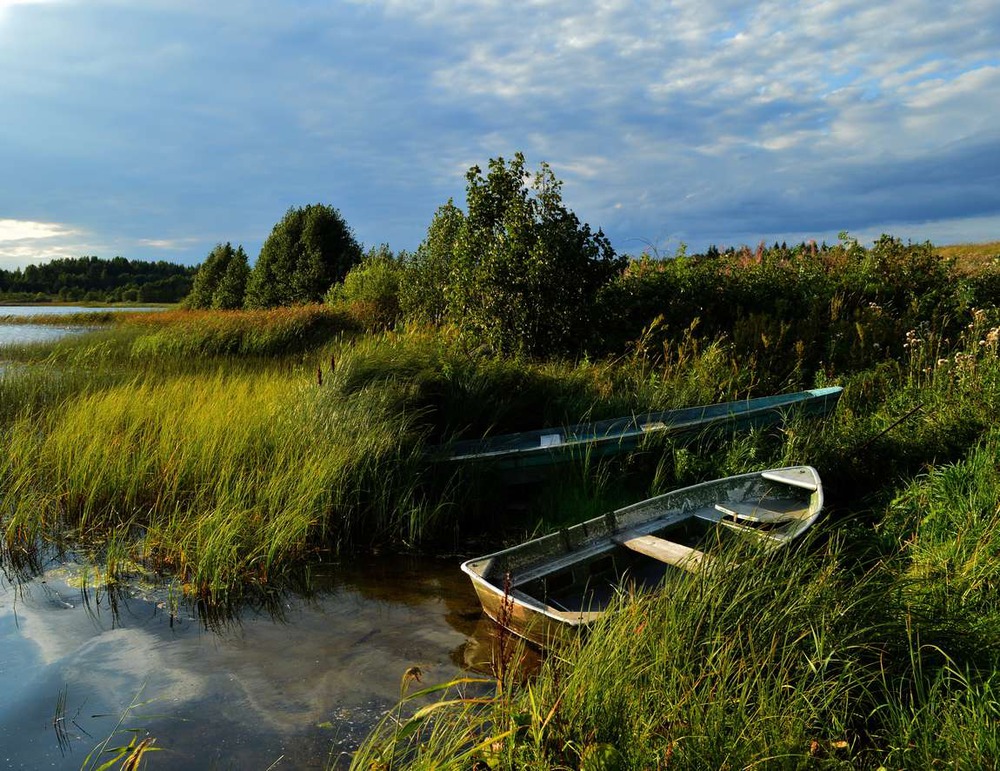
column 371, row 289
column 221, row 280
column 524, row 271
column 795, row 310
column 423, row 294
column 93, row 279
column 307, row 252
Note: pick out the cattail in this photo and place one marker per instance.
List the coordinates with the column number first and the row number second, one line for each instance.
column 319, row 376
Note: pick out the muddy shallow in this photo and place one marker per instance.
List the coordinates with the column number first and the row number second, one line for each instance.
column 297, row 689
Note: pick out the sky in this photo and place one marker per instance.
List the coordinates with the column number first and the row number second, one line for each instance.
column 157, row 129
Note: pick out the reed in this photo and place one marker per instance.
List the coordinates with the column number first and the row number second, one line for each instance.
column 758, row 665
column 223, row 479
column 875, row 647
column 263, row 333
column 795, row 660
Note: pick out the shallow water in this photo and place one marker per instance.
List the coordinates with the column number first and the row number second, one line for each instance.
column 64, row 310
column 17, row 334
column 301, row 688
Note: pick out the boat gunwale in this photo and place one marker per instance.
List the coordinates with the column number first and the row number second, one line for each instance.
column 635, row 426
column 476, row 567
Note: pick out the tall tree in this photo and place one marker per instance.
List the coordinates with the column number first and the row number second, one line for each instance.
column 525, row 272
column 423, row 290
column 308, row 251
column 221, row 280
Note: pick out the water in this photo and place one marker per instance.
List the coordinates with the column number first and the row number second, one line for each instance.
column 18, row 334
column 303, row 687
column 63, row 310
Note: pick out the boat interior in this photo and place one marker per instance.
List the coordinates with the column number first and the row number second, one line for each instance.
column 581, row 568
column 632, row 562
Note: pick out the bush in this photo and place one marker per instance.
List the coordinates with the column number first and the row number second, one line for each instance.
column 524, row 272
column 371, row 289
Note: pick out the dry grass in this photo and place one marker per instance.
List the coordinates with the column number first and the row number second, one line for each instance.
column 970, row 258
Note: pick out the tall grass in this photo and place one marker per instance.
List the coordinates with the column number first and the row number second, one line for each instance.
column 874, row 648
column 766, row 663
column 222, row 479
column 274, row 332
column 795, row 660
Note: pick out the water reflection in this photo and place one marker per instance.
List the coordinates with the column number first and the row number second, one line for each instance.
column 238, row 693
column 23, row 334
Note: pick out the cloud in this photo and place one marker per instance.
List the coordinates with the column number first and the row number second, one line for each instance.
column 23, row 242
column 154, row 123
column 17, row 230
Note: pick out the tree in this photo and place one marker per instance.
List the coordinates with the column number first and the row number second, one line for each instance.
column 525, row 273
column 422, row 292
column 221, row 280
column 371, row 288
column 308, row 251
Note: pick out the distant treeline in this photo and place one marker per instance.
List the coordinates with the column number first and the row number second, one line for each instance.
column 93, row 279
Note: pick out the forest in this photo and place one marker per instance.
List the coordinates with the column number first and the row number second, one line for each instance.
column 97, row 280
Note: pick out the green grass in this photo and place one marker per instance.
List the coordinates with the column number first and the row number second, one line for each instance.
column 228, row 449
column 805, row 659
column 875, row 645
column 223, row 480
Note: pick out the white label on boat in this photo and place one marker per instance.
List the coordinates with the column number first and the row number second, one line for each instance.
column 551, row 440
column 657, row 426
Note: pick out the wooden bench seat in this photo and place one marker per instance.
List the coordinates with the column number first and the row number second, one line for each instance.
column 671, row 553
column 775, row 512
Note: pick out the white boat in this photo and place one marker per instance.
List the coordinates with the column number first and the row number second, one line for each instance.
column 546, row 589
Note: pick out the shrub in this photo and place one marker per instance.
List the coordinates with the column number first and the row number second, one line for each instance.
column 371, row 289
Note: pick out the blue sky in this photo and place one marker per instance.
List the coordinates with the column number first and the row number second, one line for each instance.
column 157, row 129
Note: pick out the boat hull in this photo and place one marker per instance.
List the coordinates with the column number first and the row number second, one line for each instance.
column 547, row 589
column 550, row 446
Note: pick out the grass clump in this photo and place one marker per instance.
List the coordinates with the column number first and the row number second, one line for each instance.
column 803, row 659
column 266, row 333
column 223, row 480
column 762, row 663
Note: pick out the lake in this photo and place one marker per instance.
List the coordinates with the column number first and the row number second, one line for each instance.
column 18, row 334
column 296, row 687
column 65, row 310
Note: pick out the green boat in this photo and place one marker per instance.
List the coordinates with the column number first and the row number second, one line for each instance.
column 548, row 446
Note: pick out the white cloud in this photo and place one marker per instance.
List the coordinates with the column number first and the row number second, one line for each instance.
column 26, row 230
column 23, row 242
column 169, row 244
